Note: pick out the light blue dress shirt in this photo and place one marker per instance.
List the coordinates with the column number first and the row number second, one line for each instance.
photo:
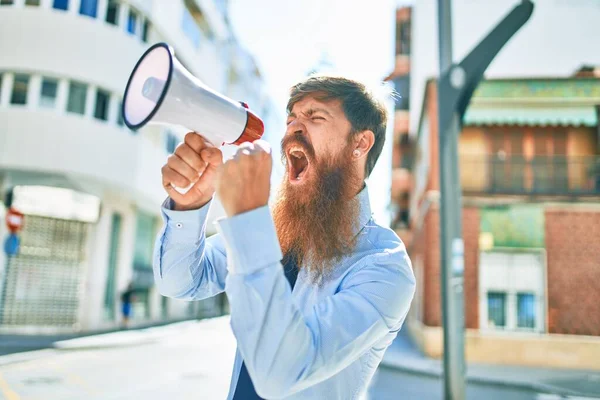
column 315, row 342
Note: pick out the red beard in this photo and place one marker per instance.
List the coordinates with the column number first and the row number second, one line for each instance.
column 317, row 221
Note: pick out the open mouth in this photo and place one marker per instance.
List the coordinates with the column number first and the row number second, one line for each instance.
column 298, row 164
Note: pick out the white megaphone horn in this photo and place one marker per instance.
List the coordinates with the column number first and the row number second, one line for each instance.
column 161, row 91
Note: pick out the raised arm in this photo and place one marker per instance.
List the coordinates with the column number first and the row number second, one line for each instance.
column 286, row 351
column 186, row 264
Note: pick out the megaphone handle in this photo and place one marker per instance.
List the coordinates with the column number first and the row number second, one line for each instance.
column 183, row 190
column 187, row 189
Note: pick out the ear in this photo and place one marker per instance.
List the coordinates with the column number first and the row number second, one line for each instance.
column 363, row 141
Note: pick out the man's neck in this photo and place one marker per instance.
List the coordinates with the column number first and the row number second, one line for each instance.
column 357, row 188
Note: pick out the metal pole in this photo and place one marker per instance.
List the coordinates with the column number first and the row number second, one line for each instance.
column 452, row 248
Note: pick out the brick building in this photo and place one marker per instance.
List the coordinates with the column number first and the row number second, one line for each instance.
column 402, row 149
column 529, row 154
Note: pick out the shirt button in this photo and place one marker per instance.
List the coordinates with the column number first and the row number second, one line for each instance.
column 179, row 225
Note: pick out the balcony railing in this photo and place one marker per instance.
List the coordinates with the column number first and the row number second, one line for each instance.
column 539, row 175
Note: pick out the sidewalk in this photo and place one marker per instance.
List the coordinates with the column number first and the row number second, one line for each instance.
column 404, row 355
column 186, row 360
column 22, row 348
column 401, row 355
column 18, row 343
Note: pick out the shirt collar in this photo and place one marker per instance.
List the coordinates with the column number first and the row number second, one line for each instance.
column 365, row 209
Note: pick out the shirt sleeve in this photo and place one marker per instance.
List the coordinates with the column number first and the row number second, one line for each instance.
column 284, row 350
column 187, row 265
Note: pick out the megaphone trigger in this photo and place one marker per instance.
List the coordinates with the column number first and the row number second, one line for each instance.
column 183, row 190
column 206, row 143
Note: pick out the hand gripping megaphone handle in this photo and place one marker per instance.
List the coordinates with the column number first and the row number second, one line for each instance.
column 187, row 189
column 253, row 130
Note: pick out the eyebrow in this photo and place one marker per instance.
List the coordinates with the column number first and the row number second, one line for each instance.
column 311, row 111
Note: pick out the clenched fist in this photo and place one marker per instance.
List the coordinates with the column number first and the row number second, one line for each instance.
column 244, row 182
column 194, row 163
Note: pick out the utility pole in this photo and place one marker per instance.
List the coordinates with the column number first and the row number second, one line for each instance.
column 456, row 85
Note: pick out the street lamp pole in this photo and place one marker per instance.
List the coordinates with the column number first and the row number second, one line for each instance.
column 456, row 85
column 451, row 252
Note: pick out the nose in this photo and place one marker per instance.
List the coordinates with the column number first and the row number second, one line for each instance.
column 295, row 127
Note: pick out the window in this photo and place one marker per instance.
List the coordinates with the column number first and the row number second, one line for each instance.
column 112, row 12
column 132, row 21
column 496, row 309
column 513, row 279
column 164, row 307
column 402, row 87
column 549, row 164
column 113, row 261
column 32, row 2
column 193, row 16
column 222, row 6
column 102, row 103
column 171, row 142
column 89, row 8
column 233, row 76
column 77, row 98
column 19, row 92
column 405, row 48
column 542, row 171
column 190, row 29
column 120, row 120
column 145, row 30
column 144, row 240
column 403, row 37
column 48, row 95
column 61, row 4
column 6, row 2
column 525, row 310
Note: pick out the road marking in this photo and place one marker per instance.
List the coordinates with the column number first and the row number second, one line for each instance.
column 73, row 378
column 82, row 383
column 543, row 396
column 7, row 391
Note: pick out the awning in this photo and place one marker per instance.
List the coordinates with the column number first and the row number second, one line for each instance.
column 548, row 116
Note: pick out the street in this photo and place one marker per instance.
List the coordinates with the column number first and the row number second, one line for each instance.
column 190, row 360
column 391, row 384
column 181, row 361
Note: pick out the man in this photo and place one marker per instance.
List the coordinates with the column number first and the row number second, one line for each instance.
column 126, row 300
column 319, row 334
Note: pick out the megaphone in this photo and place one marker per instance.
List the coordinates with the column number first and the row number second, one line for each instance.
column 161, row 91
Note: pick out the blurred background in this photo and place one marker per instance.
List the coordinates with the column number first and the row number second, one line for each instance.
column 81, row 193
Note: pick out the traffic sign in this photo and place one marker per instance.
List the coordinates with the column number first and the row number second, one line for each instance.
column 14, row 220
column 11, row 245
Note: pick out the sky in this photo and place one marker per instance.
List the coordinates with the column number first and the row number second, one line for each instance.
column 289, row 38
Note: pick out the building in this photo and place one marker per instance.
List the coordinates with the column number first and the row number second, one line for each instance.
column 89, row 187
column 529, row 154
column 530, row 175
column 537, row 49
column 402, row 141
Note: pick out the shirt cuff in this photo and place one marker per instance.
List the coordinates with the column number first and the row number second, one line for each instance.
column 251, row 241
column 184, row 226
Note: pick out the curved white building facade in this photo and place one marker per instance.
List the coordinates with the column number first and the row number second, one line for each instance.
column 88, row 186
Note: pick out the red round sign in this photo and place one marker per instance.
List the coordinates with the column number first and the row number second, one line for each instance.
column 14, row 220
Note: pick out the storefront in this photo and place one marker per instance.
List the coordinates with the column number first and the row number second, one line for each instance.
column 42, row 284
